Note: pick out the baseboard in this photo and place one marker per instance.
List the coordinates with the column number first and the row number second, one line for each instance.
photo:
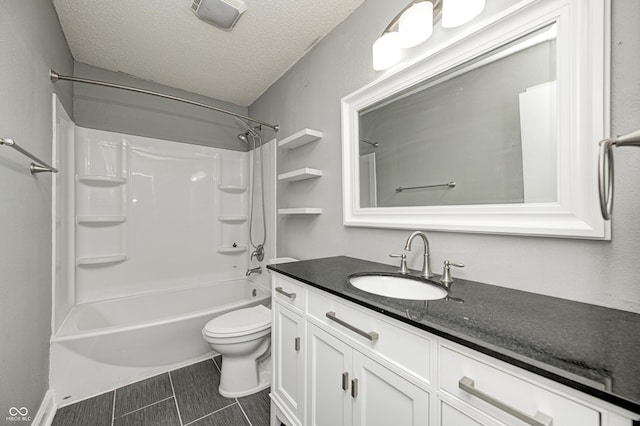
column 47, row 410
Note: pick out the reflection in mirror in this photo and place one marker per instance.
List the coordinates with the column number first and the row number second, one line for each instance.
column 482, row 133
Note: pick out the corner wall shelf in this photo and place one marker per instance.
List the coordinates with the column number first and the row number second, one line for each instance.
column 300, row 138
column 98, row 180
column 233, row 189
column 300, row 174
column 232, row 219
column 101, row 259
column 301, row 210
column 229, row 250
column 100, row 220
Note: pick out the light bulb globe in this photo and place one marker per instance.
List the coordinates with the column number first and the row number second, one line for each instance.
column 459, row 12
column 416, row 24
column 386, row 51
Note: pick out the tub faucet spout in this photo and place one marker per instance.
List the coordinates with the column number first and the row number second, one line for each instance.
column 250, row 271
column 426, row 268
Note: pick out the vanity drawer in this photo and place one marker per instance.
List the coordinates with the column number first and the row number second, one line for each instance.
column 289, row 292
column 509, row 390
column 394, row 343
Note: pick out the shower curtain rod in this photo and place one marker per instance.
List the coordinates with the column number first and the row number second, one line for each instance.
column 55, row 77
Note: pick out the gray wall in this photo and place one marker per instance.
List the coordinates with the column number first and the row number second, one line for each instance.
column 143, row 115
column 31, row 42
column 599, row 272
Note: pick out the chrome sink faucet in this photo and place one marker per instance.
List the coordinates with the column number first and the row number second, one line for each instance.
column 426, row 268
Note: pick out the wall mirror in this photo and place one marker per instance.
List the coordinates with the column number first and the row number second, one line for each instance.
column 495, row 133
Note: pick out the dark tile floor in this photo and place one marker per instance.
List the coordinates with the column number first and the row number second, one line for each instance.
column 186, row 396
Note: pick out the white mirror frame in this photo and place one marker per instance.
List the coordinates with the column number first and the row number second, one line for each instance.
column 583, row 117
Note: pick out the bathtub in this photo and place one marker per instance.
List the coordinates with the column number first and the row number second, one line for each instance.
column 108, row 344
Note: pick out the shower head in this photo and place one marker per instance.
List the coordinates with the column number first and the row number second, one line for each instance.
column 250, row 130
column 243, row 137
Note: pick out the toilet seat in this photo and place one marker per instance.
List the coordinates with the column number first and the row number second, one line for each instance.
column 241, row 322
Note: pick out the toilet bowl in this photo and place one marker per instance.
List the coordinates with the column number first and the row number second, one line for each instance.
column 243, row 338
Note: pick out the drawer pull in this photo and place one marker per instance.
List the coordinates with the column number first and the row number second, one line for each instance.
column 354, row 388
column 345, row 381
column 289, row 295
column 540, row 419
column 296, row 344
column 372, row 335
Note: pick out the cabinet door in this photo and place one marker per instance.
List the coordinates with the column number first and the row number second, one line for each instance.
column 288, row 357
column 329, row 379
column 382, row 397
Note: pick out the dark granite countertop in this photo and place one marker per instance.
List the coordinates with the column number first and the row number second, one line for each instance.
column 590, row 348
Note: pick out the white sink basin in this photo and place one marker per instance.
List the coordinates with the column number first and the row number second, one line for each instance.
column 398, row 287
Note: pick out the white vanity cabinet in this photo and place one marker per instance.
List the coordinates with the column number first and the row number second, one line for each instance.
column 288, row 359
column 355, row 366
column 324, row 373
column 346, row 387
column 288, row 345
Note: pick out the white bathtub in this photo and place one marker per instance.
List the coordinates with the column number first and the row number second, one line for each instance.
column 108, row 344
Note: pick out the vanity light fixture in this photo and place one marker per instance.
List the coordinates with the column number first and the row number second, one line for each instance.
column 414, row 24
column 386, row 51
column 459, row 12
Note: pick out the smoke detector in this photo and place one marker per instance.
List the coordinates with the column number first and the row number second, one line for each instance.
column 221, row 13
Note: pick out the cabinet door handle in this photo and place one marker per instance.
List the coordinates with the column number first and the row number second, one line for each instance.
column 289, row 295
column 345, row 381
column 354, row 388
column 372, row 335
column 296, row 344
column 539, row 419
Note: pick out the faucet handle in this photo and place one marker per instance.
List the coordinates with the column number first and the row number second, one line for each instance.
column 446, row 273
column 403, row 262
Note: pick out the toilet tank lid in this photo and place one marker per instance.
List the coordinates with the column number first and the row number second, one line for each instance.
column 241, row 320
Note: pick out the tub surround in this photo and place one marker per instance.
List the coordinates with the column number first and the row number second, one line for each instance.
column 589, row 348
column 149, row 211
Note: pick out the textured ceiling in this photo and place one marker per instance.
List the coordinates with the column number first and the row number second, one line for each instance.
column 163, row 41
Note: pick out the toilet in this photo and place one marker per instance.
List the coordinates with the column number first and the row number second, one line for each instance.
column 243, row 338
